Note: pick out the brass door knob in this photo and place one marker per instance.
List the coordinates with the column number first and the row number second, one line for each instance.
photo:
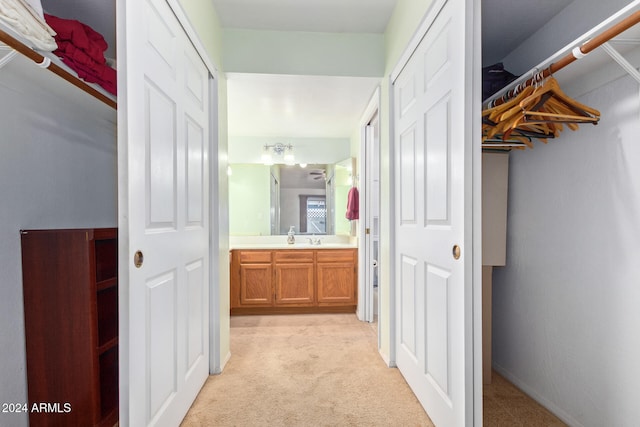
column 456, row 252
column 138, row 259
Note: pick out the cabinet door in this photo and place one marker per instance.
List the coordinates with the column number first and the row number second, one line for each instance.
column 255, row 284
column 336, row 283
column 294, row 284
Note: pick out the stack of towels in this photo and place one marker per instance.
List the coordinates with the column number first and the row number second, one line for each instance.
column 82, row 49
column 26, row 18
column 77, row 44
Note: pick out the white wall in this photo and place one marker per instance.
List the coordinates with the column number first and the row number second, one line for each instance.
column 565, row 308
column 573, row 21
column 57, row 170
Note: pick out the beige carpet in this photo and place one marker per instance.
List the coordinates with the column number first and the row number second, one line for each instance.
column 305, row 370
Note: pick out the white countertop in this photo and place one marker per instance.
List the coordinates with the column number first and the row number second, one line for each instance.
column 293, row 246
column 302, row 242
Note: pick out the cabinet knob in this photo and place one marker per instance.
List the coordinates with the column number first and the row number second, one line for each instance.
column 138, row 259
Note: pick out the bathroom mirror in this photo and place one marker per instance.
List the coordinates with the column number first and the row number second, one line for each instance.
column 267, row 200
column 292, row 119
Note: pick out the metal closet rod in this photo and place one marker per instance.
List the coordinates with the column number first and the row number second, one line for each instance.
column 577, row 53
column 45, row 62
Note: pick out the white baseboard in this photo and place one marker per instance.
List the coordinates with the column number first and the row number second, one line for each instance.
column 555, row 410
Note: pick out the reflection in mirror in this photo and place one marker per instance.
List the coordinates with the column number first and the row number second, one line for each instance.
column 304, row 199
column 343, row 180
column 268, row 200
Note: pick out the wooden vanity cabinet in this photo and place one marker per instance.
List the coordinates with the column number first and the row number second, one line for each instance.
column 251, row 278
column 293, row 281
column 70, row 289
column 336, row 277
column 294, row 278
column 255, row 273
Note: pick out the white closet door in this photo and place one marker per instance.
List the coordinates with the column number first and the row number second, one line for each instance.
column 372, row 218
column 433, row 197
column 164, row 214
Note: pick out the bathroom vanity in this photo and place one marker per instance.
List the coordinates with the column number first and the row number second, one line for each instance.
column 300, row 278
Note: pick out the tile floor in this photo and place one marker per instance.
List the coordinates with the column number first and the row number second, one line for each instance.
column 505, row 405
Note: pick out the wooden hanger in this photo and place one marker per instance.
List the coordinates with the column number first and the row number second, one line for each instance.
column 551, row 88
column 494, row 112
column 540, row 111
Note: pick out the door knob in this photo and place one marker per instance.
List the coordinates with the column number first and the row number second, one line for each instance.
column 456, row 251
column 138, row 259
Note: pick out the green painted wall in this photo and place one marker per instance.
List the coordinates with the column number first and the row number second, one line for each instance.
column 300, row 53
column 249, row 200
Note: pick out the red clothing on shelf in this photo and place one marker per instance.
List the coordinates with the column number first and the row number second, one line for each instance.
column 81, row 35
column 82, row 49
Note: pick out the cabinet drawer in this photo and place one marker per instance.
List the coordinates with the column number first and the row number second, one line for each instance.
column 340, row 255
column 294, row 255
column 247, row 257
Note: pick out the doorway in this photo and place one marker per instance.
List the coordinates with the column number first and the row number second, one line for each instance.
column 369, row 227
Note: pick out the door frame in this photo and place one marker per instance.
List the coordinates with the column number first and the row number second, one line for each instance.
column 365, row 290
column 473, row 132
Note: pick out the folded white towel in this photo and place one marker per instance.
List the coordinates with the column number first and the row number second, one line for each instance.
column 36, row 5
column 22, row 18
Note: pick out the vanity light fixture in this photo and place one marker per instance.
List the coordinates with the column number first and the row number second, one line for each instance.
column 267, row 159
column 279, row 149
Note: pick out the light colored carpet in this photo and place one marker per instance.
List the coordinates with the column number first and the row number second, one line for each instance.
column 305, row 370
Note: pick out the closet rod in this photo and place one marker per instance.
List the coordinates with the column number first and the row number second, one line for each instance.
column 577, row 53
column 56, row 69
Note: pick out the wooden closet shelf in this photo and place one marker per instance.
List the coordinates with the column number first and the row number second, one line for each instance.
column 38, row 58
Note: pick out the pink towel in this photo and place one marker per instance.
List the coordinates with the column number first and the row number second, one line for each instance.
column 353, row 202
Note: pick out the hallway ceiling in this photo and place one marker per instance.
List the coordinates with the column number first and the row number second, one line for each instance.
column 271, row 105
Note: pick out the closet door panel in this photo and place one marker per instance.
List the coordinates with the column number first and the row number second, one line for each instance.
column 408, row 176
column 197, row 314
column 196, row 151
column 162, row 326
column 433, row 209
column 161, row 164
column 164, row 214
column 437, row 160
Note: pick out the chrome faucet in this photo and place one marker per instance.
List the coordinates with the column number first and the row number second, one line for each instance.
column 315, row 240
